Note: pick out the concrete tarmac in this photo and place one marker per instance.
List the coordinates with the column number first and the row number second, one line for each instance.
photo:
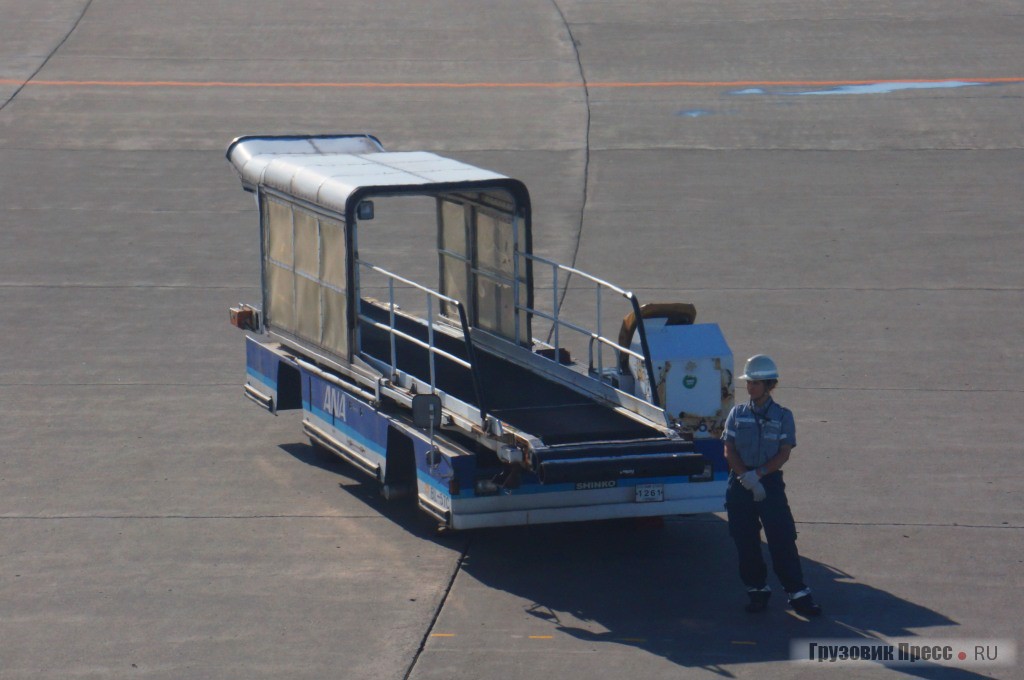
column 837, row 185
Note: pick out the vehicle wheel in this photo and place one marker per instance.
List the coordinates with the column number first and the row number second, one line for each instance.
column 395, row 490
column 400, row 472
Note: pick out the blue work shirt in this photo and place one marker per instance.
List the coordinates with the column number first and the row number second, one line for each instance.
column 758, row 433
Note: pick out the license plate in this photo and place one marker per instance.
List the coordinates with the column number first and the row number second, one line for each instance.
column 650, row 493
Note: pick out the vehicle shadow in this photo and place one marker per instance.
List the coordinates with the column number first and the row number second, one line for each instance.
column 402, row 512
column 670, row 590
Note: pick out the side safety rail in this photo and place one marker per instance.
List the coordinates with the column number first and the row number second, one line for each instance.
column 595, row 336
column 433, row 300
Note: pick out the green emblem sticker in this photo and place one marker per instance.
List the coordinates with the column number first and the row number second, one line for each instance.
column 690, row 381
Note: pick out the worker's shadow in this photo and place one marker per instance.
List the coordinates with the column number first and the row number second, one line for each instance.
column 671, row 591
column 674, row 591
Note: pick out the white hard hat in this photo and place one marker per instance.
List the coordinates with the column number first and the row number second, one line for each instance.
column 760, row 367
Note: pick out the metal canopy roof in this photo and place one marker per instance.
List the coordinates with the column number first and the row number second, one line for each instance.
column 328, row 170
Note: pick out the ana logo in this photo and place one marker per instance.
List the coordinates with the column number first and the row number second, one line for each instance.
column 690, row 381
column 334, row 402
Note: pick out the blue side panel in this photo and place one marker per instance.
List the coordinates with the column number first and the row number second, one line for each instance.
column 261, row 365
column 364, row 430
column 357, row 424
column 321, row 401
column 307, row 391
column 365, row 423
column 464, row 468
column 272, row 377
column 714, row 451
column 441, row 472
column 263, row 379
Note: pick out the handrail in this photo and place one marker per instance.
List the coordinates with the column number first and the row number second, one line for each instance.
column 595, row 335
column 393, row 333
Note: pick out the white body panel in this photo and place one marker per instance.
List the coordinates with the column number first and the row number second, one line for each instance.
column 693, row 374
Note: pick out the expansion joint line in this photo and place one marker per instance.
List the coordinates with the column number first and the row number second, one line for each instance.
column 586, row 153
column 21, row 87
column 437, row 612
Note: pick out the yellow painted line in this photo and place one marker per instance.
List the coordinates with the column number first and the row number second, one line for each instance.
column 492, row 85
column 542, row 637
column 442, row 635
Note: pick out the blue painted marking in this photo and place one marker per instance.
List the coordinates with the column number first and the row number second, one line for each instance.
column 695, row 113
column 869, row 88
column 885, row 88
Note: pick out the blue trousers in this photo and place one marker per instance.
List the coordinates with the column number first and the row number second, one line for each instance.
column 746, row 519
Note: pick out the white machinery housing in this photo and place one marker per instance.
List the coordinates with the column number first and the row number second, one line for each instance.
column 693, row 374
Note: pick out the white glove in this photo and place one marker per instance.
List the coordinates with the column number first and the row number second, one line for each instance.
column 752, row 483
column 749, row 479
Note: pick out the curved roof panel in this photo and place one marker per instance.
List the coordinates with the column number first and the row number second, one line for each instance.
column 328, row 170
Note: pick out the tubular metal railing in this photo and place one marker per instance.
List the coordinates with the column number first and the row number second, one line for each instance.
column 433, row 350
column 595, row 336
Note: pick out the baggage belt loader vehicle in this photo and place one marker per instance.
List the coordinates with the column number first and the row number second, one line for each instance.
column 442, row 393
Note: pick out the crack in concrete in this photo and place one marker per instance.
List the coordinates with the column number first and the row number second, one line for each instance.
column 586, row 155
column 437, row 612
column 48, row 57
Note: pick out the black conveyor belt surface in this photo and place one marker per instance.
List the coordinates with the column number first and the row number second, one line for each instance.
column 530, row 402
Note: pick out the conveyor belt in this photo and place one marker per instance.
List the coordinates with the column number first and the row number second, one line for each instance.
column 529, row 402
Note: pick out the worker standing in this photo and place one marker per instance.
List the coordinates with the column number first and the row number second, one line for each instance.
column 759, row 437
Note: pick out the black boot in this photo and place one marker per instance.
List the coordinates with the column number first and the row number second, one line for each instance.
column 804, row 604
column 758, row 599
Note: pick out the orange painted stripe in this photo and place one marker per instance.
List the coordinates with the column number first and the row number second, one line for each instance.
column 527, row 85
